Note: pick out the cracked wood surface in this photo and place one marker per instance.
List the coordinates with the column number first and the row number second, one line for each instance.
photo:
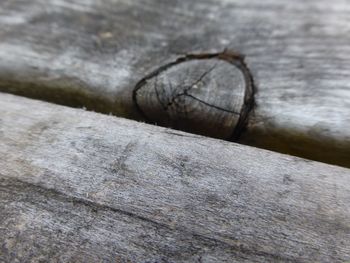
column 77, row 186
column 93, row 53
column 210, row 94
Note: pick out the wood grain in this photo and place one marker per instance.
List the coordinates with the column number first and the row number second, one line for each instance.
column 92, row 54
column 78, row 186
column 211, row 94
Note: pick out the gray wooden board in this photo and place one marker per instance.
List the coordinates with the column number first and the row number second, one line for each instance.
column 78, row 186
column 93, row 53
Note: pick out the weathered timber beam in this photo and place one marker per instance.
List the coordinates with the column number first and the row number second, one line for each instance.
column 79, row 186
column 95, row 53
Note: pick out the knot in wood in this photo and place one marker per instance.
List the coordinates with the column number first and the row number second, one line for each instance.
column 208, row 94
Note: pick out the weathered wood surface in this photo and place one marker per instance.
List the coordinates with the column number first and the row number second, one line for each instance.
column 85, row 187
column 209, row 94
column 93, row 53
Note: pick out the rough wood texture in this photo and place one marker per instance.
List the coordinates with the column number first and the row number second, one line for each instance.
column 93, row 53
column 210, row 94
column 84, row 187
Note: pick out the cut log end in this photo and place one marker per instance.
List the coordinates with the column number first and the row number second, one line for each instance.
column 204, row 94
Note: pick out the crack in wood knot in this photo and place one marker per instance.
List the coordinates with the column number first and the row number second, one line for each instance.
column 208, row 94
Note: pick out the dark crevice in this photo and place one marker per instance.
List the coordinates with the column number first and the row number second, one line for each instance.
column 249, row 101
column 201, row 78
column 185, row 93
column 210, row 105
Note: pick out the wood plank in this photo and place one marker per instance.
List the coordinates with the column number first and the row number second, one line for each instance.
column 79, row 186
column 94, row 53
